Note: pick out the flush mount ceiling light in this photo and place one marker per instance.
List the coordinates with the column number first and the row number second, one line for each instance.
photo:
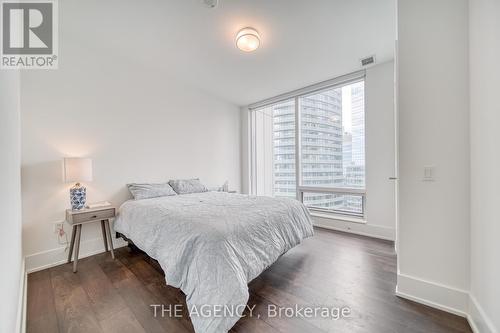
column 248, row 39
column 211, row 3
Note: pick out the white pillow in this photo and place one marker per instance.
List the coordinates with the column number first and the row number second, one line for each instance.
column 186, row 186
column 149, row 190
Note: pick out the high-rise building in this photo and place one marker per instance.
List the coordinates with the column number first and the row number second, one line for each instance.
column 354, row 168
column 321, row 150
column 358, row 125
column 284, row 149
column 347, row 148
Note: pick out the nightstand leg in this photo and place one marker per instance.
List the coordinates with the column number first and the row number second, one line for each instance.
column 77, row 246
column 108, row 231
column 103, row 228
column 72, row 243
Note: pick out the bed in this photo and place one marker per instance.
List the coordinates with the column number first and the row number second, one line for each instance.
column 212, row 244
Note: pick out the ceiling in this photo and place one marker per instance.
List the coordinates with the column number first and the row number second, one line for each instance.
column 302, row 42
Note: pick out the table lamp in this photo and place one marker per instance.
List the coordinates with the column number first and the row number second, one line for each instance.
column 77, row 170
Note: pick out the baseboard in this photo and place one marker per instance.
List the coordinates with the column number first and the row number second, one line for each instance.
column 363, row 229
column 46, row 259
column 21, row 304
column 433, row 294
column 478, row 320
column 472, row 324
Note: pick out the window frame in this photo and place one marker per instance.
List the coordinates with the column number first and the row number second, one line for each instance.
column 300, row 188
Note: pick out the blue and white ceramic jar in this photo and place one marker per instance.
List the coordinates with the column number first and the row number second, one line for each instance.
column 78, row 197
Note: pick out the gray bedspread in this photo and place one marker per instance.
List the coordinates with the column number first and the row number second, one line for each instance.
column 212, row 244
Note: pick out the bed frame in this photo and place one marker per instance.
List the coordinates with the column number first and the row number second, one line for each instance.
column 134, row 249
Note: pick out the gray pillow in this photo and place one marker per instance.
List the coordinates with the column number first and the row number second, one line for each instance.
column 186, row 186
column 149, row 190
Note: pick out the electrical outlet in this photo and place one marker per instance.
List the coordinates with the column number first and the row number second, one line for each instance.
column 58, row 227
column 60, row 233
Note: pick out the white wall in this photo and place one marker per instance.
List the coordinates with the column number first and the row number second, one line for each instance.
column 10, row 200
column 380, row 150
column 484, row 27
column 434, row 130
column 134, row 121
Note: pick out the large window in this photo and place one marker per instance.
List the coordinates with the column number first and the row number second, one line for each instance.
column 312, row 147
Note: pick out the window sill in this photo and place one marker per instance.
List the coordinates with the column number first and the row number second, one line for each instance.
column 339, row 217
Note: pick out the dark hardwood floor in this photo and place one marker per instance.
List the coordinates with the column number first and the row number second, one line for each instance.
column 331, row 269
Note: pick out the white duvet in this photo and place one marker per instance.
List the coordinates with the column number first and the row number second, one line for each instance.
column 212, row 244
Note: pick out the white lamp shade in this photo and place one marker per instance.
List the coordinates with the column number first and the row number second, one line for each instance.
column 77, row 169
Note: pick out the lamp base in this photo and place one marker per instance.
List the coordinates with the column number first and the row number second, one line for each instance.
column 78, row 197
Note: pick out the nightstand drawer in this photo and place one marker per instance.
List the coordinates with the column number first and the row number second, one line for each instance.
column 92, row 216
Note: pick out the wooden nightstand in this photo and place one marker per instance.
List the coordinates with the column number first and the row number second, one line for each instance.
column 77, row 218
